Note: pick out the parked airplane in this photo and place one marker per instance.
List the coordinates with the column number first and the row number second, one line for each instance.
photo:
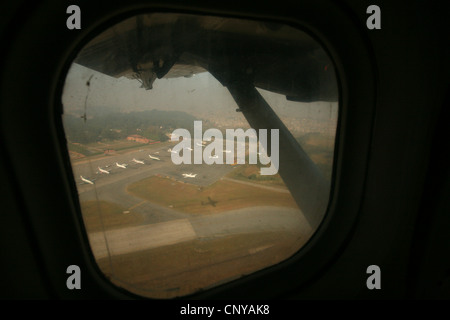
column 138, row 161
column 170, row 150
column 121, row 165
column 103, row 170
column 189, row 175
column 86, row 180
column 154, row 158
column 214, row 157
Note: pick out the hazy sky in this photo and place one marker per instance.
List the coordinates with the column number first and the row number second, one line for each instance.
column 200, row 92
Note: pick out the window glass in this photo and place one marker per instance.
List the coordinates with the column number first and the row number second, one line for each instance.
column 201, row 148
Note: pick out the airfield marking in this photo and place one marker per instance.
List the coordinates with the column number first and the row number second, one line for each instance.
column 137, row 205
column 271, row 188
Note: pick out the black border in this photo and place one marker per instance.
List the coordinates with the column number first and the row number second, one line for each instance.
column 350, row 51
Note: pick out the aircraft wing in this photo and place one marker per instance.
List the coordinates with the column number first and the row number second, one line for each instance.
column 275, row 58
column 242, row 55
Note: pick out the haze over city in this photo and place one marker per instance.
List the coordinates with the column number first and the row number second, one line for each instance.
column 200, row 95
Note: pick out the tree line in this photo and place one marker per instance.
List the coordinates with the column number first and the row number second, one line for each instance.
column 151, row 124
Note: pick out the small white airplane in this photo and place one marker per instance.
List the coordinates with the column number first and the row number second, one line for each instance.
column 188, row 148
column 200, row 144
column 138, row 161
column 170, row 150
column 214, row 157
column 86, row 180
column 227, row 151
column 121, row 165
column 103, row 170
column 189, row 175
column 154, row 158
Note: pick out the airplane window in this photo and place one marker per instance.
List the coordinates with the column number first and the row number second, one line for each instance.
column 201, row 148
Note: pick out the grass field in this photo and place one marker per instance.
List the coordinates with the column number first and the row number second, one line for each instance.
column 103, row 215
column 82, row 149
column 115, row 145
column 99, row 148
column 250, row 173
column 188, row 267
column 189, row 198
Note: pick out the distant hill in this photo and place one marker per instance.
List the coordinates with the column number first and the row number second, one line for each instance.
column 101, row 125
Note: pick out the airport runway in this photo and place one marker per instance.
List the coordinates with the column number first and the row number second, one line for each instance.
column 163, row 225
column 240, row 221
